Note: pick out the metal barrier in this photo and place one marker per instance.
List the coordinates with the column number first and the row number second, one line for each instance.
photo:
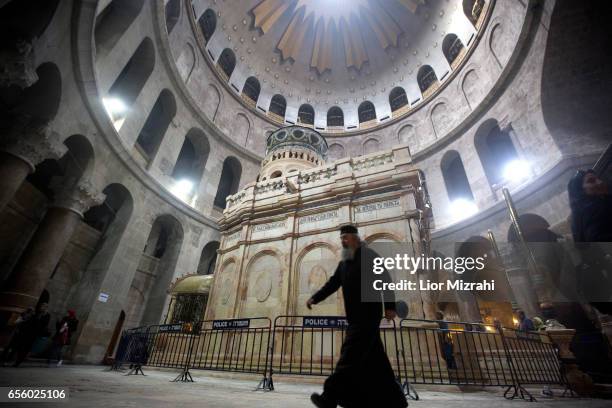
column 420, row 351
column 236, row 345
column 310, row 345
column 439, row 352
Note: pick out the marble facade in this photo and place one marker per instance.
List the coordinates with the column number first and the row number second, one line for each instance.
column 280, row 239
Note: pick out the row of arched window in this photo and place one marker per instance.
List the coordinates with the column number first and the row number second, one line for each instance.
column 128, row 85
column 426, row 78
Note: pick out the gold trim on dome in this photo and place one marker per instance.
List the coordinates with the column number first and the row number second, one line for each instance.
column 316, row 26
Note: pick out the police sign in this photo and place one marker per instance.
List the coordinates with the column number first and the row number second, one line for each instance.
column 231, row 324
column 328, row 322
column 170, row 328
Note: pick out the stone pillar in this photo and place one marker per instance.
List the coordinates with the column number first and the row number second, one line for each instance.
column 24, row 286
column 28, row 143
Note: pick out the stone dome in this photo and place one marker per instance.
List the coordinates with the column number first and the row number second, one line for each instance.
column 292, row 136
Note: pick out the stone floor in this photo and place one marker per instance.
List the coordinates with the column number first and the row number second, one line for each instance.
column 94, row 386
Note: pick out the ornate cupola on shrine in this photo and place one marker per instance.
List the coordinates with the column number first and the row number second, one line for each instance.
column 291, row 149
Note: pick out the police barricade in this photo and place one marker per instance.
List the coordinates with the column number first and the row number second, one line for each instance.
column 122, row 353
column 310, row 345
column 169, row 345
column 236, row 345
column 535, row 359
column 134, row 349
column 457, row 353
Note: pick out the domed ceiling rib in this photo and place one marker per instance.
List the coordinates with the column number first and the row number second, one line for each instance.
column 321, row 58
column 311, row 28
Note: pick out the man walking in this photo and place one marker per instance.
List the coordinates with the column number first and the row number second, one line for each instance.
column 363, row 377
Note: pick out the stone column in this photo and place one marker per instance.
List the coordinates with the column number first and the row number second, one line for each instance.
column 33, row 270
column 28, row 143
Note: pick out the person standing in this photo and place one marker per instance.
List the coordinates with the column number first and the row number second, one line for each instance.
column 63, row 333
column 591, row 221
column 525, row 323
column 363, row 376
column 16, row 339
column 30, row 330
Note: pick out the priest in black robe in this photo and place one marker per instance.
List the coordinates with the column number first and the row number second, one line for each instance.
column 363, row 376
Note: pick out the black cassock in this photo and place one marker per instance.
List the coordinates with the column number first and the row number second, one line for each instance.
column 363, row 376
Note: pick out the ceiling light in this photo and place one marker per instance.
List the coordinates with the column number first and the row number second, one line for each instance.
column 182, row 188
column 114, row 106
column 462, row 208
column 516, row 170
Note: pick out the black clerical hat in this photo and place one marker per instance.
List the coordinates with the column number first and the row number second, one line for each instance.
column 348, row 229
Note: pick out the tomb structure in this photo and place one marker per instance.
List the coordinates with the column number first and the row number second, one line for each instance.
column 280, row 239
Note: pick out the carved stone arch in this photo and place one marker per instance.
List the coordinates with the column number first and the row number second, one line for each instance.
column 261, row 288
column 370, row 145
column 336, row 151
column 405, row 132
column 187, row 61
column 382, row 235
column 224, row 290
column 466, row 68
column 314, row 264
column 240, row 133
column 467, row 85
column 212, row 101
column 440, row 122
column 497, row 30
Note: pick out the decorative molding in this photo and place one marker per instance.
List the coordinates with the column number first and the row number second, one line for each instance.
column 79, row 198
column 33, row 141
column 18, row 67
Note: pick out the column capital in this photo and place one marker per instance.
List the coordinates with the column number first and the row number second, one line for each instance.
column 18, row 67
column 77, row 198
column 32, row 141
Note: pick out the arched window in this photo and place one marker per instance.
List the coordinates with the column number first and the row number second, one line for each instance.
column 227, row 62
column 366, row 112
column 129, row 83
column 397, row 98
column 250, row 90
column 278, row 105
column 427, row 80
column 173, row 12
column 164, row 243
column 335, row 117
column 306, row 115
column 452, row 48
column 229, row 181
column 192, row 159
column 208, row 23
column 455, row 179
column 42, row 99
column 100, row 217
column 156, row 125
column 473, row 9
column 208, row 259
column 112, row 22
column 497, row 153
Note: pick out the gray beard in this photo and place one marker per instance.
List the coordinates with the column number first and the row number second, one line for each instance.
column 347, row 253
